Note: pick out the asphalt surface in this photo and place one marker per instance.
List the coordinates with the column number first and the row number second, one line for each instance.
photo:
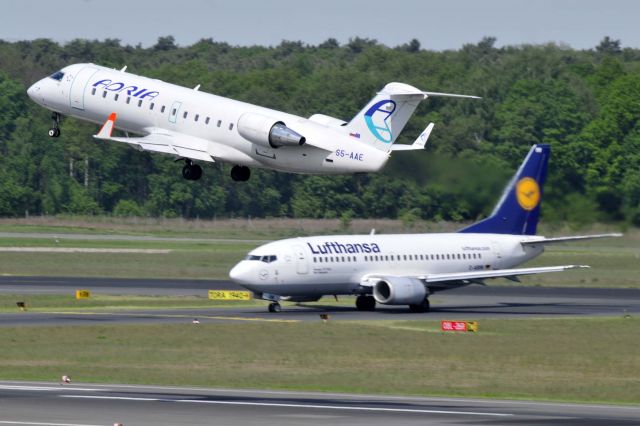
column 48, row 404
column 472, row 302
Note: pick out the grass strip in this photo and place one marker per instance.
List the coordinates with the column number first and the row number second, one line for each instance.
column 585, row 359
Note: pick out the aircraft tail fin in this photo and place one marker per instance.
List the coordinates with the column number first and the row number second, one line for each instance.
column 518, row 210
column 380, row 122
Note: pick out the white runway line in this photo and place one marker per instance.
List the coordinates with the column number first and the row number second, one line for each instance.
column 48, row 388
column 313, row 406
column 8, row 422
column 80, row 250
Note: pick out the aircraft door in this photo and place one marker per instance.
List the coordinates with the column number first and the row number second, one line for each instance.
column 302, row 267
column 173, row 113
column 78, row 86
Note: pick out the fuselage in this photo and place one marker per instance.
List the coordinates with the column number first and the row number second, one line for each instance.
column 326, row 265
column 143, row 105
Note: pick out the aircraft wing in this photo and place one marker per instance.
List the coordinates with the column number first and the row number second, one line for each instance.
column 159, row 140
column 556, row 240
column 474, row 276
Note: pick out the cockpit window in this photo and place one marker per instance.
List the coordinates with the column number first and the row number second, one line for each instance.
column 265, row 259
column 57, row 76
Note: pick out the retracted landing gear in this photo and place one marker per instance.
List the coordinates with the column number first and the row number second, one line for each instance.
column 422, row 307
column 274, row 307
column 54, row 131
column 240, row 173
column 191, row 171
column 365, row 303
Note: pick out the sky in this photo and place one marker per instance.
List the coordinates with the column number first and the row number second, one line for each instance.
column 437, row 24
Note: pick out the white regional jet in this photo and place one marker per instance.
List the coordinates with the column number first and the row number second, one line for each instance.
column 406, row 269
column 197, row 126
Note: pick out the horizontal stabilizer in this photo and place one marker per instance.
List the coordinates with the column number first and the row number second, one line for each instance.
column 419, row 143
column 450, row 95
column 556, row 240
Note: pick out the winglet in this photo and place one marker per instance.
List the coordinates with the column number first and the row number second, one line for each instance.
column 418, row 143
column 107, row 127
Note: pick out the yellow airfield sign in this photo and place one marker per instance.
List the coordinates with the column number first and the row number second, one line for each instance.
column 229, row 295
column 83, row 294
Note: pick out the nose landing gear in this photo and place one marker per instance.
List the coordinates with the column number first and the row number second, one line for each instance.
column 274, row 307
column 54, row 131
column 191, row 171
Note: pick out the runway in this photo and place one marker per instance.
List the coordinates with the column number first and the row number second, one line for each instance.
column 472, row 302
column 48, row 404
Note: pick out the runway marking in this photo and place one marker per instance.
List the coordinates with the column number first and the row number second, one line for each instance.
column 44, row 388
column 7, row 422
column 142, row 314
column 315, row 406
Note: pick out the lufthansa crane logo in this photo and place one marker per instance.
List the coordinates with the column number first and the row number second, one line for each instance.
column 528, row 193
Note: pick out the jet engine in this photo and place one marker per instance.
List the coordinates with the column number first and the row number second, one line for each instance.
column 267, row 131
column 399, row 291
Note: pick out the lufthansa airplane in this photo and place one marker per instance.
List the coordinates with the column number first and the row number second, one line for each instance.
column 406, row 269
column 197, row 126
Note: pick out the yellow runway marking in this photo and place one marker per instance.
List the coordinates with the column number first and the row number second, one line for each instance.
column 215, row 317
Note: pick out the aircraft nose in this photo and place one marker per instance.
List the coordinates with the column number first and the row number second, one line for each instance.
column 33, row 91
column 240, row 273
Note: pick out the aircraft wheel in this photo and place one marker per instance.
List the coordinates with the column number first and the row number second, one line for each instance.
column 187, row 171
column 365, row 303
column 240, row 173
column 54, row 133
column 422, row 307
column 196, row 172
column 274, row 307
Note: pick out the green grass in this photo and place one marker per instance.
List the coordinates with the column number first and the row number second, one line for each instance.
column 586, row 359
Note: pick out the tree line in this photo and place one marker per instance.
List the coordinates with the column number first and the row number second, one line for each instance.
column 585, row 103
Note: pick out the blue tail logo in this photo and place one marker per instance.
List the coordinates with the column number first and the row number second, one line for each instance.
column 376, row 118
column 518, row 210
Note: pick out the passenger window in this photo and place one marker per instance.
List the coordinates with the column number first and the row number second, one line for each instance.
column 319, row 260
column 139, row 103
column 162, row 109
column 219, row 123
column 128, row 99
column 206, row 121
column 115, row 98
column 314, row 260
column 196, row 117
column 104, row 94
column 185, row 114
column 151, row 106
column 343, row 258
column 230, row 126
column 174, row 112
column 93, row 91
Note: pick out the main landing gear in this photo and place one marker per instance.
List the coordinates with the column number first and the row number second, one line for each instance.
column 365, row 303
column 274, row 307
column 240, row 173
column 191, row 171
column 54, row 131
column 422, row 307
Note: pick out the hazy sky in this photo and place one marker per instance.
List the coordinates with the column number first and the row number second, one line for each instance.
column 437, row 24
